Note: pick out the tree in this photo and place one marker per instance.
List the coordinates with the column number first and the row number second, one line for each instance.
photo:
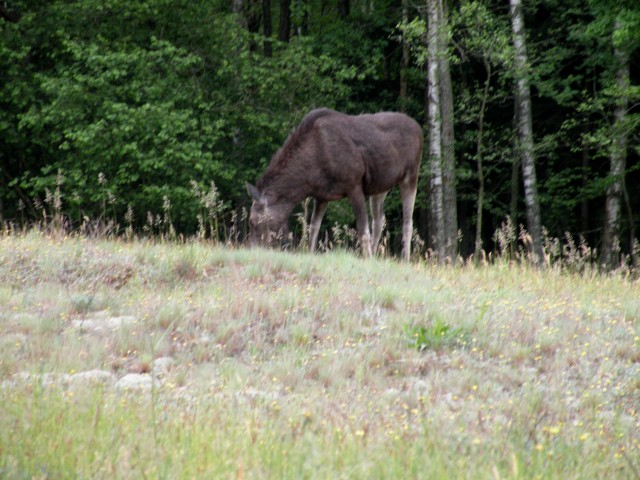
column 618, row 149
column 284, row 28
column 434, row 125
column 525, row 129
column 483, row 36
column 126, row 117
column 343, row 8
column 153, row 103
column 449, row 196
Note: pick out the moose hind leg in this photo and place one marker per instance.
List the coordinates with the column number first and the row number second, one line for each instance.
column 408, row 191
column 377, row 218
column 359, row 206
column 319, row 209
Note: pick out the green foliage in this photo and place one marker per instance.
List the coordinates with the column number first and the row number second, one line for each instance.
column 482, row 34
column 146, row 112
column 437, row 335
column 116, row 107
column 105, row 114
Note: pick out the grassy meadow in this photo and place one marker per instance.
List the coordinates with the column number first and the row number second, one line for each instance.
column 290, row 365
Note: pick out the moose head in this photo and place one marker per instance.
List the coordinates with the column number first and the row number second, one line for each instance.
column 267, row 219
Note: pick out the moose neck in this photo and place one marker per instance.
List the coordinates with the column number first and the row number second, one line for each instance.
column 284, row 188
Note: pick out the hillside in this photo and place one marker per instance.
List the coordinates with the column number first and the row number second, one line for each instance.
column 135, row 360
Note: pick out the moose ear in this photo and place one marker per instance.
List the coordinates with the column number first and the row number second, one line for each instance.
column 254, row 193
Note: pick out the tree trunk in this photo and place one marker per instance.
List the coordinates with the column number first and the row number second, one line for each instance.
column 284, row 27
column 526, row 134
column 515, row 168
column 9, row 15
column 450, row 199
column 479, row 154
column 343, row 8
column 584, row 204
column 248, row 14
column 618, row 158
column 254, row 18
column 515, row 177
column 435, row 129
column 266, row 25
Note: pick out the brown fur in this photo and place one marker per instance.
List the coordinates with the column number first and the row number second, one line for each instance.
column 332, row 156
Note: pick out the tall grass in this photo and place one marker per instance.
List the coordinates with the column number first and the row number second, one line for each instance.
column 291, row 365
column 96, row 435
column 218, row 223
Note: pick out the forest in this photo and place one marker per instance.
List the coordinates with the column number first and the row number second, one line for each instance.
column 150, row 116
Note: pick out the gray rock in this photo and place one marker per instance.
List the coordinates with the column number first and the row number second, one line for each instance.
column 92, row 378
column 135, row 381
column 391, row 394
column 43, row 379
column 102, row 324
column 255, row 394
column 420, row 389
column 163, row 365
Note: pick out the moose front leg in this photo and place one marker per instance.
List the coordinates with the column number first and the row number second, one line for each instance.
column 319, row 209
column 359, row 206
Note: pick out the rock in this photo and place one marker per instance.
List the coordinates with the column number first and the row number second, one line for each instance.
column 77, row 380
column 255, row 394
column 163, row 365
column 420, row 389
column 102, row 324
column 135, row 381
column 391, row 394
column 44, row 379
column 92, row 378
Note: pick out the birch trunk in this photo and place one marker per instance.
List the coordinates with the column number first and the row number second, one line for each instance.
column 526, row 133
column 618, row 158
column 435, row 129
column 450, row 201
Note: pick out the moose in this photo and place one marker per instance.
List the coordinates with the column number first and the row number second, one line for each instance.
column 330, row 156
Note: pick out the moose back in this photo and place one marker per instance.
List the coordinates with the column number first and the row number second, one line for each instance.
column 330, row 156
